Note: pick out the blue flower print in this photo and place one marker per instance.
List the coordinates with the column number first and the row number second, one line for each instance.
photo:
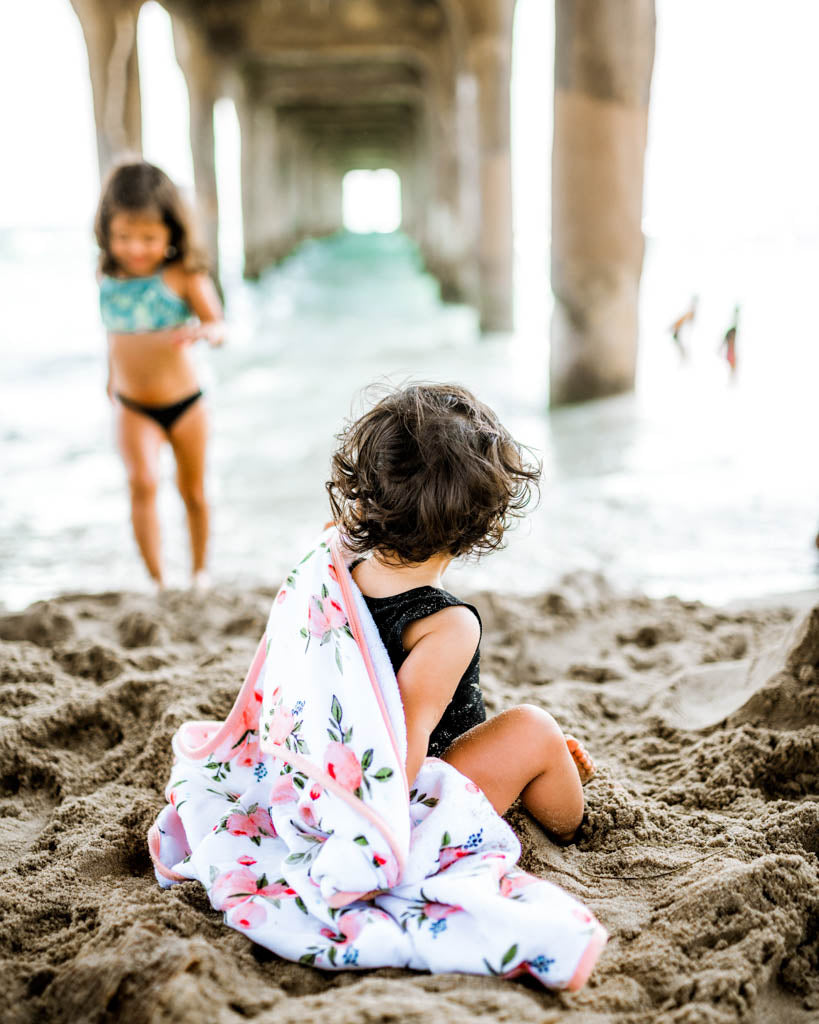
column 474, row 841
column 260, row 771
column 437, row 927
column 350, row 956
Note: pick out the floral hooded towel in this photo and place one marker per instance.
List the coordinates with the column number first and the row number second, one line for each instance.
column 296, row 816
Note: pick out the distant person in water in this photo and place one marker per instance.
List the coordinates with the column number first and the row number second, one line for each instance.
column 680, row 325
column 156, row 300
column 729, row 342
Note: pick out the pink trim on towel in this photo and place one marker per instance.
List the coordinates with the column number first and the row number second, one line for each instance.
column 590, row 957
column 226, row 728
column 344, row 580
column 153, row 850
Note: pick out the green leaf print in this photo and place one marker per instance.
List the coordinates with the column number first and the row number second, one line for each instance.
column 383, row 774
column 361, row 840
column 324, row 591
column 446, row 839
column 331, row 955
column 367, row 758
column 307, row 958
column 335, row 709
column 509, row 955
column 338, row 661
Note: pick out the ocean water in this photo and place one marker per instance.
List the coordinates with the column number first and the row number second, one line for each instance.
column 698, row 484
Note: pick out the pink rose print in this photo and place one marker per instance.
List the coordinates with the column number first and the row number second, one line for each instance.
column 248, row 752
column 341, row 764
column 449, row 854
column 438, row 911
column 307, row 816
column 235, row 887
column 472, row 788
column 331, row 569
column 232, row 888
column 324, row 616
column 315, row 792
column 510, row 884
column 244, row 859
column 247, row 915
column 283, row 791
column 281, row 725
column 256, row 824
column 351, row 924
column 281, row 596
column 581, row 915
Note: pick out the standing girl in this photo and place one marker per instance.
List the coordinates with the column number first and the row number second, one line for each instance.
column 156, row 300
column 427, row 475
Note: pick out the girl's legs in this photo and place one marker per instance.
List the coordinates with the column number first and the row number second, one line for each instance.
column 188, row 438
column 139, row 440
column 523, row 752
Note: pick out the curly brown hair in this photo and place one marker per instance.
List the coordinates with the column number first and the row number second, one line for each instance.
column 140, row 187
column 429, row 470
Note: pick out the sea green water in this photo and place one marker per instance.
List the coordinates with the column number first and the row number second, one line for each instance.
column 697, row 484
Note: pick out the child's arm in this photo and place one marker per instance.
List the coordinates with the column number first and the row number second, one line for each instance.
column 109, row 383
column 441, row 648
column 202, row 297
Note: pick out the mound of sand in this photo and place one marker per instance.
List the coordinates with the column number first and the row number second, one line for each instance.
column 698, row 851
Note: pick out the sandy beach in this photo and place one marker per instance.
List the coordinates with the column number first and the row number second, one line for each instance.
column 697, row 852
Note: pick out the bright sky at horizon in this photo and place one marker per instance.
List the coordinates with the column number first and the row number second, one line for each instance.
column 732, row 147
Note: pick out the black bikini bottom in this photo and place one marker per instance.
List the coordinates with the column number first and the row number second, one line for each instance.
column 164, row 415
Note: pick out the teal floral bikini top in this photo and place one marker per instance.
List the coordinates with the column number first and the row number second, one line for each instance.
column 135, row 304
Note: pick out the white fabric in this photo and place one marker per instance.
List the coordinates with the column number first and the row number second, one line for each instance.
column 300, row 827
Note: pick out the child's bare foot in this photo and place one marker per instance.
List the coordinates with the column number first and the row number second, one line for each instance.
column 200, row 584
column 585, row 765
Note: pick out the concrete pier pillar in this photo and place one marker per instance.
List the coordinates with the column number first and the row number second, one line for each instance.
column 261, row 197
column 325, row 213
column 109, row 27
column 604, row 55
column 197, row 65
column 490, row 58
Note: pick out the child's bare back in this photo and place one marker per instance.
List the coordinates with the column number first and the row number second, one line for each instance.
column 427, row 475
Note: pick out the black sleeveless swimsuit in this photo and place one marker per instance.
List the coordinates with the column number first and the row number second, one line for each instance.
column 392, row 615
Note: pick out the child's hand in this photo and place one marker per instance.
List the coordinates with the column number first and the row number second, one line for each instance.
column 188, row 334
column 213, row 332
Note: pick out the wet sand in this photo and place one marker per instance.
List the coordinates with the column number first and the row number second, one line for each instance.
column 698, row 851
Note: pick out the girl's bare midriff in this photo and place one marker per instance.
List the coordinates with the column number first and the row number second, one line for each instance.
column 148, row 367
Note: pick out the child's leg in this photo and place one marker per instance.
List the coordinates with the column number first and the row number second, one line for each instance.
column 189, row 436
column 523, row 752
column 139, row 440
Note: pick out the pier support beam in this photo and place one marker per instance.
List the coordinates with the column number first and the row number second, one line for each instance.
column 109, row 27
column 490, row 59
column 200, row 70
column 604, row 55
